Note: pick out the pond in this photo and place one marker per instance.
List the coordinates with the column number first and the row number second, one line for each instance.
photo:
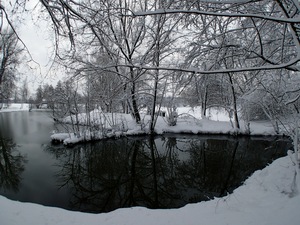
column 166, row 171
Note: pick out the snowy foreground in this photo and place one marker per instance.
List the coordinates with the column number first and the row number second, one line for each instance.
column 270, row 196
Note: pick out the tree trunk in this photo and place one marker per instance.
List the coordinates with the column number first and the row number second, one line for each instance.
column 152, row 122
column 204, row 104
column 135, row 109
column 234, row 104
column 2, row 68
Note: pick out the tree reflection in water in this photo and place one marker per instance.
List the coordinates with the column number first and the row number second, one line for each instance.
column 11, row 165
column 163, row 172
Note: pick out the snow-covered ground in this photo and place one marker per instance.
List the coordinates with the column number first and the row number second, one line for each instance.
column 188, row 121
column 269, row 196
column 15, row 107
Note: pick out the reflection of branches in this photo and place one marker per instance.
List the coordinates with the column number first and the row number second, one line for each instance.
column 97, row 174
column 57, row 150
column 226, row 183
column 153, row 149
column 128, row 172
column 11, row 165
column 170, row 145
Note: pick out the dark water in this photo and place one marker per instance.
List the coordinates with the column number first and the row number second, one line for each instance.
column 163, row 172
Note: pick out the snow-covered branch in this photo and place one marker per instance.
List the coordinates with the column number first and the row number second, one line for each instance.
column 220, row 14
column 219, row 71
column 293, row 100
column 228, row 1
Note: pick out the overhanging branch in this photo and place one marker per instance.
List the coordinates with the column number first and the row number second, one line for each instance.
column 287, row 65
column 220, row 14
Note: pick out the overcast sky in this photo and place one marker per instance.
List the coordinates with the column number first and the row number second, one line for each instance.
column 38, row 39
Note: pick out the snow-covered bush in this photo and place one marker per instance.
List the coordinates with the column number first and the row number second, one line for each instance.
column 172, row 116
column 274, row 98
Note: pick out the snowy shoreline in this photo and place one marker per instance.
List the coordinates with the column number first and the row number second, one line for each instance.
column 123, row 125
column 269, row 196
column 70, row 139
column 188, row 122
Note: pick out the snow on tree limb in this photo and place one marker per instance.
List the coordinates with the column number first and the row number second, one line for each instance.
column 290, row 101
column 219, row 71
column 220, row 14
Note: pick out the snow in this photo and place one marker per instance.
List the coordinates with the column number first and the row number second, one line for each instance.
column 15, row 107
column 189, row 121
column 269, row 196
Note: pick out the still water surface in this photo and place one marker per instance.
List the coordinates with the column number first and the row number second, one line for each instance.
column 167, row 171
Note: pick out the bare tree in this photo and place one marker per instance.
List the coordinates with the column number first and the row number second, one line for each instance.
column 234, row 13
column 234, row 38
column 9, row 53
column 9, row 60
column 162, row 36
column 103, row 27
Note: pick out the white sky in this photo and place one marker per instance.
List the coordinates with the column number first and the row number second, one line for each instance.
column 34, row 32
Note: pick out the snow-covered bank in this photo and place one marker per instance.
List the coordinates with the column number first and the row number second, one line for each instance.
column 269, row 196
column 117, row 125
column 15, row 107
